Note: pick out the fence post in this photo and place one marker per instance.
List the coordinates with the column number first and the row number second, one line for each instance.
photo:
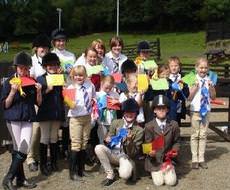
column 158, row 49
column 226, row 71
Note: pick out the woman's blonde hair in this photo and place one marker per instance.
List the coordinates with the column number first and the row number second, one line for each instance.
column 100, row 43
column 78, row 70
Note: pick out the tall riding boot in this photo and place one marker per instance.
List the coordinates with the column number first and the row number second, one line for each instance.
column 72, row 166
column 43, row 159
column 21, row 179
column 53, row 156
column 81, row 165
column 17, row 158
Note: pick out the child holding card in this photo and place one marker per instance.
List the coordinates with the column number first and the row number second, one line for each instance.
column 99, row 45
column 106, row 112
column 80, row 120
column 67, row 60
column 123, row 145
column 143, row 51
column 156, row 87
column 179, row 90
column 50, row 114
column 131, row 82
column 128, row 67
column 158, row 160
column 41, row 46
column 59, row 41
column 19, row 112
column 200, row 94
column 93, row 69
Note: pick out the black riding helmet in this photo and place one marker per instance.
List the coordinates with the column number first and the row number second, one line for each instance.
column 143, row 46
column 50, row 59
column 130, row 105
column 160, row 100
column 22, row 58
column 58, row 34
column 128, row 66
column 41, row 40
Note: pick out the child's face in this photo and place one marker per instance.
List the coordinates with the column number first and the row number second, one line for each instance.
column 79, row 78
column 161, row 112
column 130, row 116
column 22, row 70
column 106, row 86
column 60, row 44
column 100, row 50
column 116, row 50
column 164, row 74
column 174, row 67
column 202, row 69
column 132, row 85
column 145, row 55
column 42, row 51
column 91, row 57
column 53, row 69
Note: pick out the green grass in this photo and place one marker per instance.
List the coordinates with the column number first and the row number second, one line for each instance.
column 188, row 46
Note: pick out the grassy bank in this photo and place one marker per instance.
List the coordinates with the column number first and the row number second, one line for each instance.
column 188, row 46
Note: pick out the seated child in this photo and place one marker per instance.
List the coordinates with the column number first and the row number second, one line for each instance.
column 158, row 161
column 124, row 144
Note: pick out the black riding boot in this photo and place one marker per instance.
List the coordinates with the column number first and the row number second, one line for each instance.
column 53, row 156
column 43, row 159
column 21, row 179
column 74, row 159
column 81, row 165
column 17, row 159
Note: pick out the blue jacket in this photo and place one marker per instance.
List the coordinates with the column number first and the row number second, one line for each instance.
column 22, row 108
column 52, row 107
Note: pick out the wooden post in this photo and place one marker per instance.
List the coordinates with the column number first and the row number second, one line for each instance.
column 226, row 71
column 228, row 115
column 158, row 49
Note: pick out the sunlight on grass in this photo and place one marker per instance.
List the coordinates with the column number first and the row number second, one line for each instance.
column 188, row 46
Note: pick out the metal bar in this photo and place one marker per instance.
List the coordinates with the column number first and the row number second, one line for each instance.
column 117, row 17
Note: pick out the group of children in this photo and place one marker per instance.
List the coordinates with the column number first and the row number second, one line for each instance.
column 126, row 118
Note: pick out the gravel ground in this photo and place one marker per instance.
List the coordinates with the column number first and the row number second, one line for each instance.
column 216, row 177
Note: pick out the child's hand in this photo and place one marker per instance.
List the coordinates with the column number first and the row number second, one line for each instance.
column 60, row 70
column 49, row 88
column 129, row 137
column 196, row 84
column 14, row 88
column 38, row 86
column 210, row 84
column 152, row 153
column 108, row 139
